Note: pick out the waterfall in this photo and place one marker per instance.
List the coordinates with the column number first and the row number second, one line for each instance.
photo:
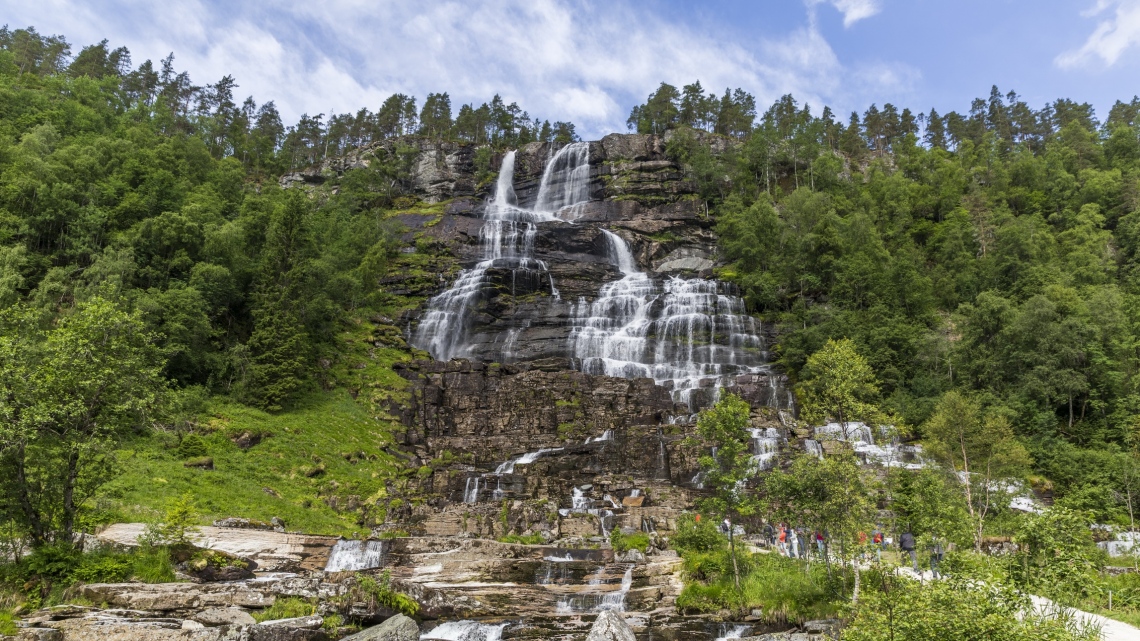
column 684, row 334
column 466, row 631
column 565, row 182
column 734, row 632
column 812, row 446
column 471, row 490
column 508, row 467
column 616, row 600
column 352, row 556
column 607, row 435
column 596, row 599
column 765, row 446
column 507, row 241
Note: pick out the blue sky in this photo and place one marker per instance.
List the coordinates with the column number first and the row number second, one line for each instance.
column 589, row 61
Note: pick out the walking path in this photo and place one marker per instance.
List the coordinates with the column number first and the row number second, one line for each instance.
column 1110, row 629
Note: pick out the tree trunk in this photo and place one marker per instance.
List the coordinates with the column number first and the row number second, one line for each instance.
column 732, row 548
column 25, row 498
column 855, row 590
column 69, row 507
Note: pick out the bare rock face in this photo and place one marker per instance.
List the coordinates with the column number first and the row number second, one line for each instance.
column 396, row 628
column 610, row 626
column 213, row 617
column 272, row 551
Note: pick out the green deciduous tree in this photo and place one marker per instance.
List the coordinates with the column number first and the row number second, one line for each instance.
column 839, row 385
column 829, row 495
column 727, row 469
column 66, row 392
column 979, row 448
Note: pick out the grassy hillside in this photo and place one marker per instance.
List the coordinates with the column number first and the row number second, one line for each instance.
column 312, row 467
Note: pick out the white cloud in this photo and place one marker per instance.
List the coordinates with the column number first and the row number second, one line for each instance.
column 1114, row 35
column 853, row 10
column 577, row 60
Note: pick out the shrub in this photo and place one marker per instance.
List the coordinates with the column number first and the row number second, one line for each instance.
column 622, row 543
column 697, row 536
column 381, row 593
column 103, row 568
column 52, row 563
column 177, row 524
column 287, row 608
column 905, row 610
column 191, row 446
column 701, row 598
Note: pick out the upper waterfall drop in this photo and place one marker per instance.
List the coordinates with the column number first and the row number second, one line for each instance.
column 507, row 241
column 565, row 182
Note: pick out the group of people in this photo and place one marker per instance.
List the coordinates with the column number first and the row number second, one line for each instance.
column 797, row 543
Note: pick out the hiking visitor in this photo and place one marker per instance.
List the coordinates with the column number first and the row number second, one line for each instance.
column 906, row 544
column 936, row 555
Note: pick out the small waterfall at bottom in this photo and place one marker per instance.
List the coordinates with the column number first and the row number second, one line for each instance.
column 733, row 631
column 466, row 631
column 595, row 599
column 353, row 556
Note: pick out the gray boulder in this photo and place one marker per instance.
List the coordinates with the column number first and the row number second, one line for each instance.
column 223, row 616
column 610, row 626
column 397, row 628
column 631, row 556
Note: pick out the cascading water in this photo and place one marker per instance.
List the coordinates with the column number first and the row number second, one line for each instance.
column 471, row 489
column 684, row 334
column 862, row 440
column 507, row 240
column 595, row 599
column 765, row 446
column 508, row 467
column 353, row 556
column 565, row 184
column 466, row 631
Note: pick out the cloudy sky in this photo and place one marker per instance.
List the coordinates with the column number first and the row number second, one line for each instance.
column 589, row 61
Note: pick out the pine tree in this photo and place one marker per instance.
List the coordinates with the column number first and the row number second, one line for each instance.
column 279, row 346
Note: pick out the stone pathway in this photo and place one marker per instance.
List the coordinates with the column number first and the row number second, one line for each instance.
column 1110, row 629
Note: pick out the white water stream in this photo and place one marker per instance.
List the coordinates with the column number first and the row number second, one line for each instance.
column 765, row 446
column 683, row 333
column 507, row 240
column 466, row 631
column 353, row 556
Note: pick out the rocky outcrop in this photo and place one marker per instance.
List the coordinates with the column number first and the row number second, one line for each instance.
column 94, row 624
column 270, row 550
column 610, row 626
column 397, row 628
column 440, row 170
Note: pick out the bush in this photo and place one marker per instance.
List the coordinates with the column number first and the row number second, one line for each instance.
column 622, row 543
column 179, row 522
column 785, row 590
column 192, row 446
column 8, row 624
column 381, row 593
column 287, row 608
column 907, row 610
column 697, row 536
column 700, row 598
